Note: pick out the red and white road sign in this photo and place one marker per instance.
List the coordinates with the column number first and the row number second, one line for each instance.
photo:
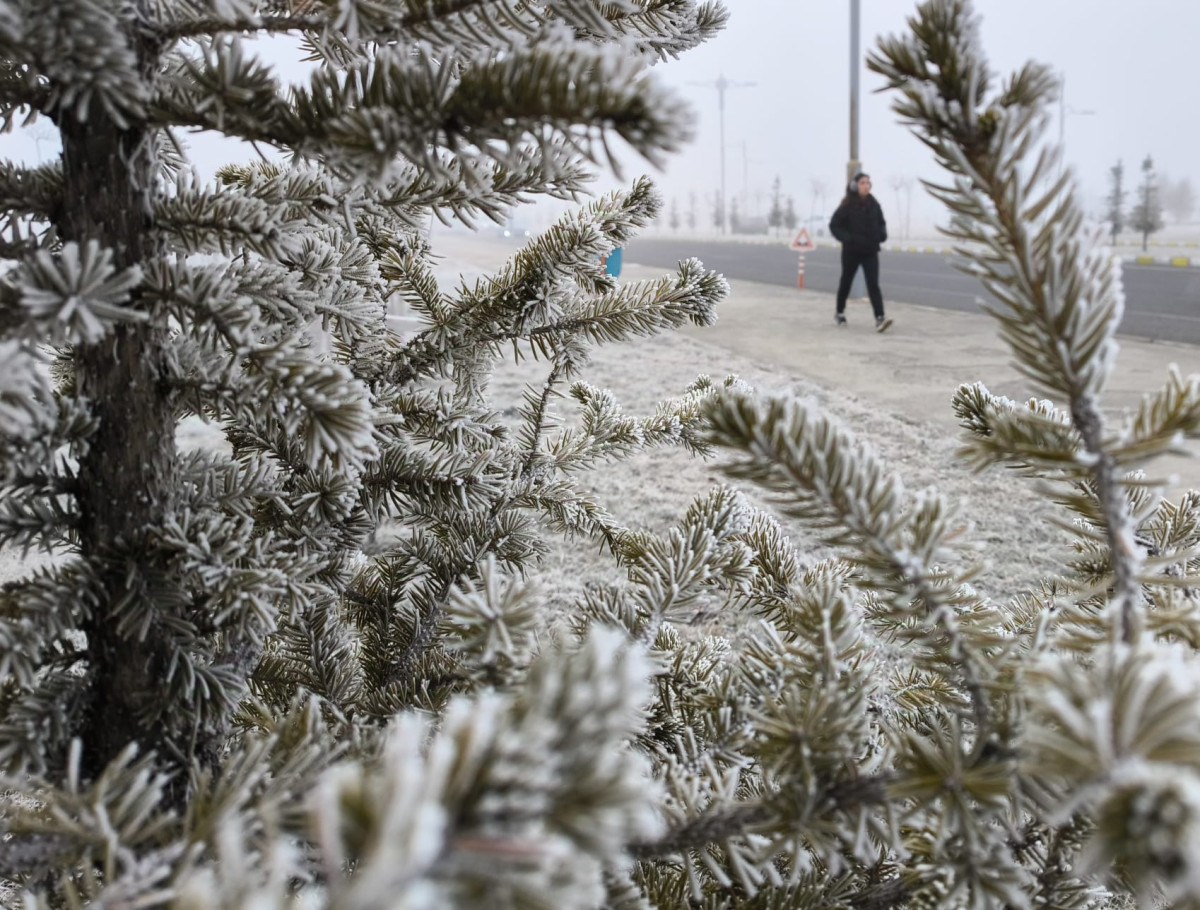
column 803, row 242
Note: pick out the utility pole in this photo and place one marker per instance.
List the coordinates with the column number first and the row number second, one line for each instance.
column 854, row 165
column 1063, row 110
column 721, row 85
column 746, row 176
column 745, row 179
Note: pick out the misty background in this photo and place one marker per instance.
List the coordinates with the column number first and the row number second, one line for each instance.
column 1130, row 91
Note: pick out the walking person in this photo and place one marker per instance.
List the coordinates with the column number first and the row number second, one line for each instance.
column 858, row 223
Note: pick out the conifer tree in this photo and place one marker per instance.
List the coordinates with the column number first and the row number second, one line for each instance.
column 1115, row 213
column 217, row 629
column 402, row 724
column 775, row 215
column 790, row 218
column 1146, row 217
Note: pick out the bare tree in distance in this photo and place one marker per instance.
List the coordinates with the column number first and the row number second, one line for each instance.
column 1179, row 199
column 1115, row 200
column 896, row 182
column 43, row 133
column 1146, row 217
column 691, row 212
column 819, row 190
column 673, row 218
column 903, row 184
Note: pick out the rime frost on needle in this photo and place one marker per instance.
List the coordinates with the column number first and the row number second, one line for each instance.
column 308, row 666
column 78, row 293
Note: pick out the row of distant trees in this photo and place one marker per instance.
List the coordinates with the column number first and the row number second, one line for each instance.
column 782, row 213
column 1153, row 196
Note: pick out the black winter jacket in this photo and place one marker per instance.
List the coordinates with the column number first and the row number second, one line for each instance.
column 858, row 223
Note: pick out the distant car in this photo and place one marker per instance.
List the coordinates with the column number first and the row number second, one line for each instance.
column 513, row 230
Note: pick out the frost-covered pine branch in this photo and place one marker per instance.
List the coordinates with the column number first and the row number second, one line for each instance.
column 310, row 665
column 213, row 619
column 1055, row 288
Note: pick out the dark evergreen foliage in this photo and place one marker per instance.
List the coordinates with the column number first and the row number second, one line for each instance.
column 304, row 667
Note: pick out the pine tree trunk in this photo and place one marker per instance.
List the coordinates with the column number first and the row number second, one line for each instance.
column 125, row 476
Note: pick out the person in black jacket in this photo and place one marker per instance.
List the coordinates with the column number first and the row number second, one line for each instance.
column 858, row 223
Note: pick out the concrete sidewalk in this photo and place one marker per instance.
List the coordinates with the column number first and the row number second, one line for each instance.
column 913, row 369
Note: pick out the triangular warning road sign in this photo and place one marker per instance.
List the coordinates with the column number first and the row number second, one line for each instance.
column 803, row 242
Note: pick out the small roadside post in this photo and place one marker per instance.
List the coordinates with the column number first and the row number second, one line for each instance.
column 612, row 262
column 802, row 243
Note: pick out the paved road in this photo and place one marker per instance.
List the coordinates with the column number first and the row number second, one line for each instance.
column 1161, row 302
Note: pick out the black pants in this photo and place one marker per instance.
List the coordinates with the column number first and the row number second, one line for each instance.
column 870, row 266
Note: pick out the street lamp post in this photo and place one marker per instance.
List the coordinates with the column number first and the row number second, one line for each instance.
column 1063, row 110
column 721, row 85
column 854, row 165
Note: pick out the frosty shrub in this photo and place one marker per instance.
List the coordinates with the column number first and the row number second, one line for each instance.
column 306, row 669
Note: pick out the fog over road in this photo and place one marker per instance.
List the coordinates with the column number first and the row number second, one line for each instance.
column 1161, row 301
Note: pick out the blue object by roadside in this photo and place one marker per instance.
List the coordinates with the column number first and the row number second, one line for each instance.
column 612, row 263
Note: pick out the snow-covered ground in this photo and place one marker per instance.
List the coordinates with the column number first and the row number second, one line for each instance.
column 1007, row 525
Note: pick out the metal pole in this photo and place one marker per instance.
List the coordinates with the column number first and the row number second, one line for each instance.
column 745, row 179
column 1064, row 110
column 854, row 164
column 722, row 83
column 724, row 202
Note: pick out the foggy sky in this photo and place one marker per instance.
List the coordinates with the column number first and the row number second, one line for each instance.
column 1133, row 65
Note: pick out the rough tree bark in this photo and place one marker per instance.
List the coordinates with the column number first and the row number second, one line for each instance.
column 125, row 476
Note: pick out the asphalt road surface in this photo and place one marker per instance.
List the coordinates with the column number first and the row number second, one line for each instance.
column 1161, row 301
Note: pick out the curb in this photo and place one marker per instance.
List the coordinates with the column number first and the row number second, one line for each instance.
column 1183, row 262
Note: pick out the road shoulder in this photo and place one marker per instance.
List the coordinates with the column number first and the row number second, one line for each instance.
column 914, row 368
